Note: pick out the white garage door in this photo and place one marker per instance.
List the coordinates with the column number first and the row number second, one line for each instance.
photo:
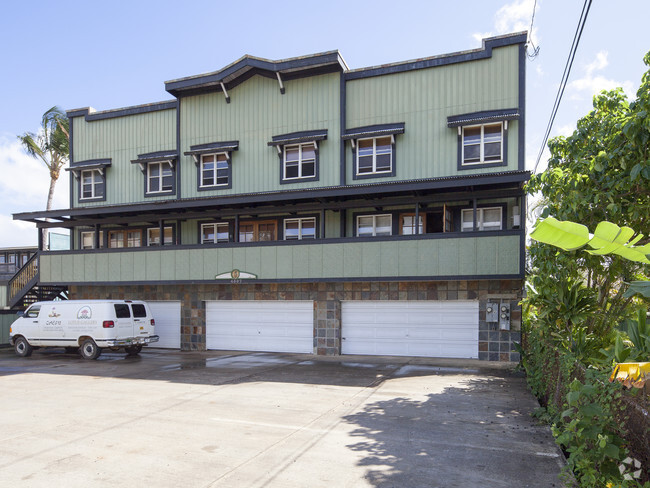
column 168, row 323
column 410, row 328
column 275, row 326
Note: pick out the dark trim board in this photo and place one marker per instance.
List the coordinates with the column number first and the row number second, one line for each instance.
column 299, row 280
column 89, row 114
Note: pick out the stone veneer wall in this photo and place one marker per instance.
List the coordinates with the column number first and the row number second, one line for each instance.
column 494, row 345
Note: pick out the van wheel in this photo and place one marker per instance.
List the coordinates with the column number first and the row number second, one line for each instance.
column 133, row 350
column 71, row 350
column 89, row 349
column 22, row 347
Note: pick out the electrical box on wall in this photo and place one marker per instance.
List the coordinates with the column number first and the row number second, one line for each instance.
column 492, row 312
column 504, row 316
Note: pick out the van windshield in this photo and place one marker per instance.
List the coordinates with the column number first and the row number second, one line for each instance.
column 122, row 311
column 138, row 310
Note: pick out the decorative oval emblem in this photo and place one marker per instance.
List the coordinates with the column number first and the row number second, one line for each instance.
column 84, row 313
column 234, row 274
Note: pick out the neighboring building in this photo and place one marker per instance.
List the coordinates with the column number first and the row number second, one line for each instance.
column 301, row 206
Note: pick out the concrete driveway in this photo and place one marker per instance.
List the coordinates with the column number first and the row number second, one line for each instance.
column 219, row 419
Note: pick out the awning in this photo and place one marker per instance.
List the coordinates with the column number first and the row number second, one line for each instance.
column 212, row 147
column 481, row 117
column 374, row 131
column 155, row 157
column 297, row 137
column 79, row 166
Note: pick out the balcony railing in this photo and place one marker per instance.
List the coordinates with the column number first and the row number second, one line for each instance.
column 22, row 281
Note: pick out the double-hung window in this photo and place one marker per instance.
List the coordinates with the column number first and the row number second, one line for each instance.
column 482, row 144
column 299, row 161
column 298, row 229
column 88, row 240
column 374, row 225
column 160, row 177
column 487, row 218
column 214, row 170
column 374, row 155
column 92, row 184
column 214, row 233
column 408, row 225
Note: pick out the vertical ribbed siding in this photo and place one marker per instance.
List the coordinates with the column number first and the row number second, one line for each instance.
column 122, row 139
column 256, row 113
column 423, row 99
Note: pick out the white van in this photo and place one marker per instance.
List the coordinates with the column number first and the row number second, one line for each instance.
column 84, row 325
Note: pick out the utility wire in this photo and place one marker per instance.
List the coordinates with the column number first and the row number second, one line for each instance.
column 535, row 49
column 565, row 76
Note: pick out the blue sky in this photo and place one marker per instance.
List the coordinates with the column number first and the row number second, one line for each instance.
column 115, row 54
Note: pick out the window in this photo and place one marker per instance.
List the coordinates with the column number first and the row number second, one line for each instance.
column 374, row 155
column 299, row 161
column 138, row 310
column 374, row 225
column 407, row 225
column 482, row 144
column 123, row 238
column 153, row 236
column 257, row 231
column 92, row 184
column 160, row 177
column 488, row 218
column 12, row 258
column 122, row 311
column 213, row 233
column 33, row 311
column 87, row 240
column 3, row 259
column 298, row 229
column 214, row 170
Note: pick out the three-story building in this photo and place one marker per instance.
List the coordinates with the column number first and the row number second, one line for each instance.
column 302, row 206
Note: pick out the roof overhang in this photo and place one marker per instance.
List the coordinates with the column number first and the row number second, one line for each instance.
column 248, row 66
column 333, row 197
column 483, row 117
column 90, row 164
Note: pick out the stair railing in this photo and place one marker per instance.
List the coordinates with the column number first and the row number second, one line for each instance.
column 22, row 281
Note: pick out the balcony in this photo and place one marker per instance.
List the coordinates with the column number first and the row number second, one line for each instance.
column 480, row 255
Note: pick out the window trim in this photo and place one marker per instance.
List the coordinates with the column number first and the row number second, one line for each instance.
column 502, row 208
column 283, row 163
column 125, row 238
column 300, row 220
column 215, row 224
column 172, row 191
column 482, row 163
column 355, row 158
column 374, row 224
column 199, row 171
column 102, row 185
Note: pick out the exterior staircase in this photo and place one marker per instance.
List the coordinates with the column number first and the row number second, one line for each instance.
column 24, row 288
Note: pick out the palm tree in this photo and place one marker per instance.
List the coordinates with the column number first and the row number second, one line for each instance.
column 51, row 145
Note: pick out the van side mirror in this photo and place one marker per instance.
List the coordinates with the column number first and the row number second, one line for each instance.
column 20, row 313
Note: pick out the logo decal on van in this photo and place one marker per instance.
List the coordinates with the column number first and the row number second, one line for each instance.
column 53, row 313
column 84, row 313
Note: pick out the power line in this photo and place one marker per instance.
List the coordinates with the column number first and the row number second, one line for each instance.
column 535, row 51
column 565, row 76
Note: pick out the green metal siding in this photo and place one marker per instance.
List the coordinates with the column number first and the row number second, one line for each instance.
column 5, row 323
column 423, row 99
column 122, row 139
column 256, row 113
column 468, row 256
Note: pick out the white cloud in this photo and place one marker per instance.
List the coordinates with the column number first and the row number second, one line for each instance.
column 512, row 17
column 592, row 83
column 23, row 188
column 565, row 130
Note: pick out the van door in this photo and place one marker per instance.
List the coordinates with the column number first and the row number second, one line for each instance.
column 123, row 321
column 141, row 322
column 27, row 325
